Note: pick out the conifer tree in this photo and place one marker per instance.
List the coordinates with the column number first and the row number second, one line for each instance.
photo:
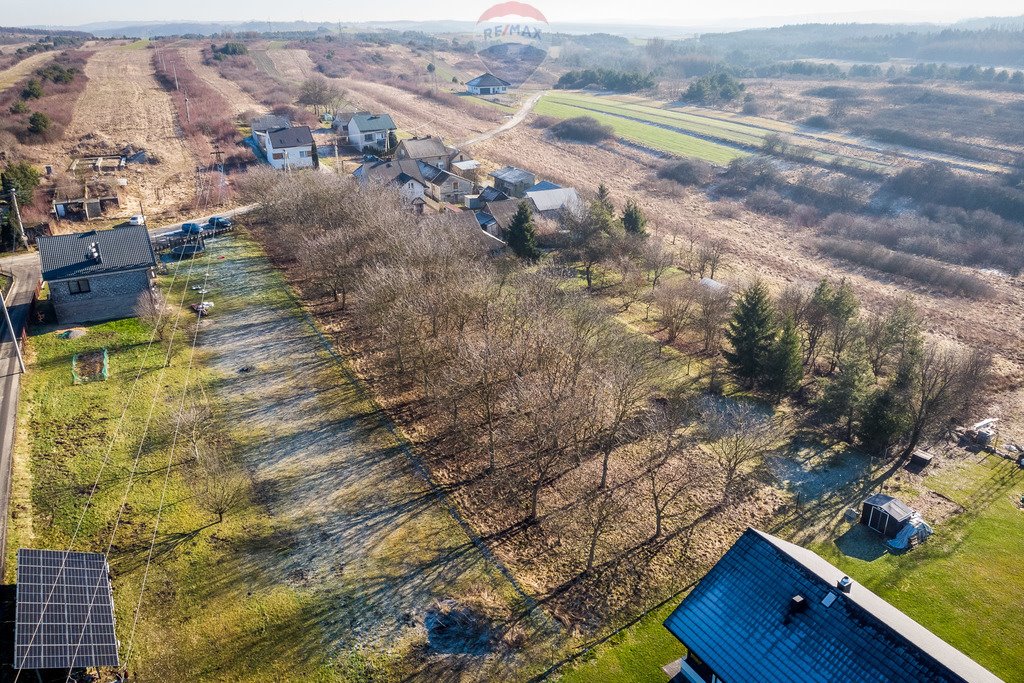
column 604, row 198
column 522, row 236
column 633, row 218
column 751, row 333
column 846, row 395
column 784, row 368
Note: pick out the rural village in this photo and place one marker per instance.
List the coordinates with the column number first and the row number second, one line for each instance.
column 349, row 353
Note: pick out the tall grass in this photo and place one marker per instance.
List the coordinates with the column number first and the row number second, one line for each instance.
column 923, row 270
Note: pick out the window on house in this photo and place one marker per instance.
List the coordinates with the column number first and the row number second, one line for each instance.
column 303, row 153
column 79, row 286
column 368, row 137
column 279, row 155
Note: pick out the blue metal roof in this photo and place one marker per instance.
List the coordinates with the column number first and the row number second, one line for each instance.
column 736, row 621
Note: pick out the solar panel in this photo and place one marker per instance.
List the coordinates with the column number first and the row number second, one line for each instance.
column 64, row 616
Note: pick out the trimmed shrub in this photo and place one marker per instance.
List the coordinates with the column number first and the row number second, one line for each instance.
column 687, row 172
column 582, row 129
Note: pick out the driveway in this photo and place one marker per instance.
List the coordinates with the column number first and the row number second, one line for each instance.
column 516, row 119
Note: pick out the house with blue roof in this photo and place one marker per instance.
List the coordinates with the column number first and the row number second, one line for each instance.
column 770, row 610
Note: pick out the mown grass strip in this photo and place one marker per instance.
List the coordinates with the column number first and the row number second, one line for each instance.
column 660, row 139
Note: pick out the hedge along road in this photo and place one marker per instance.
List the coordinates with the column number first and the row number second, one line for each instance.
column 355, row 523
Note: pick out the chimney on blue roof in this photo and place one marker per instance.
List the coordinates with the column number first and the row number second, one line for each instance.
column 845, row 584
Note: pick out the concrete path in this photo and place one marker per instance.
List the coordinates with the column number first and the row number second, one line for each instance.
column 516, row 119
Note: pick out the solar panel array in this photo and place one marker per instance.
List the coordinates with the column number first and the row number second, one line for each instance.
column 55, row 625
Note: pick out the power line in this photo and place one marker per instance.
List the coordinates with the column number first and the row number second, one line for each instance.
column 138, row 453
column 103, row 465
column 167, row 476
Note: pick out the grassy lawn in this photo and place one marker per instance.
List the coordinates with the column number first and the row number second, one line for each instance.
column 137, row 45
column 633, row 655
column 672, row 142
column 964, row 582
column 5, row 283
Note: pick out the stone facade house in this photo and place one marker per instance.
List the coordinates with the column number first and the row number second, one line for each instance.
column 97, row 275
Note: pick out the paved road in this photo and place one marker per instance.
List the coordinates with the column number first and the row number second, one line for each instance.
column 25, row 268
column 516, row 119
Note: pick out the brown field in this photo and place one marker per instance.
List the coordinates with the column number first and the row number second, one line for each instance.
column 292, row 64
column 123, row 104
column 237, row 100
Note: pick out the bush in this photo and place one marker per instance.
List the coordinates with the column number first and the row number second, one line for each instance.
column 746, row 174
column 582, row 129
column 19, row 107
column 935, row 183
column 713, row 88
column 819, row 121
column 231, row 49
column 33, row 90
column 57, row 73
column 769, row 202
column 608, row 79
column 904, row 265
column 38, row 123
column 687, row 172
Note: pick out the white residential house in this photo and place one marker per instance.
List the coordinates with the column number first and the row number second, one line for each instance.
column 261, row 125
column 370, row 130
column 487, row 84
column 290, row 148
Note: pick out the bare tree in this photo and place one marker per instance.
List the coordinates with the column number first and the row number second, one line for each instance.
column 153, row 310
column 669, row 483
column 737, row 435
column 623, row 390
column 709, row 257
column 604, row 510
column 676, row 302
column 657, row 260
column 711, row 313
column 948, row 380
column 219, row 488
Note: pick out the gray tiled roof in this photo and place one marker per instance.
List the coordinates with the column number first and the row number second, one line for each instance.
column 503, row 210
column 269, row 122
column 511, row 174
column 296, row 136
column 370, row 123
column 735, row 620
column 487, row 81
column 63, row 257
column 420, row 148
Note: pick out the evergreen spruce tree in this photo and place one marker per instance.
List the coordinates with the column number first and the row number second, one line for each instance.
column 751, row 333
column 604, row 198
column 783, row 367
column 633, row 218
column 885, row 419
column 846, row 394
column 522, row 237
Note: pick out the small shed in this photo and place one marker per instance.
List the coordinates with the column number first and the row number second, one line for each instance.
column 885, row 514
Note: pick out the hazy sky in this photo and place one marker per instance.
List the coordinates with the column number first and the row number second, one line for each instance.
column 663, row 12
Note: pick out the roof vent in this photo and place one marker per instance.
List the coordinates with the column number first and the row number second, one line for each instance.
column 845, row 584
column 94, row 252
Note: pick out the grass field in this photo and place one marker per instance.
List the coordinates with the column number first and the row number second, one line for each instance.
column 731, row 130
column 660, row 139
column 964, row 582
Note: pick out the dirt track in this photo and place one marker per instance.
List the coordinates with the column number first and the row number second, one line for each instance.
column 9, row 77
column 239, row 100
column 292, row 64
column 124, row 103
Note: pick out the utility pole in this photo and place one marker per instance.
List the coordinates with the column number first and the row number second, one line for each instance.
column 13, row 194
column 188, row 114
column 175, row 67
column 14, row 336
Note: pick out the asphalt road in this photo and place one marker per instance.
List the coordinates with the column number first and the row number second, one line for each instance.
column 25, row 269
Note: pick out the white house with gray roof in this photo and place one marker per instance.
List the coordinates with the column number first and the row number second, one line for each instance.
column 370, row 130
column 487, row 84
column 97, row 275
column 291, row 148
